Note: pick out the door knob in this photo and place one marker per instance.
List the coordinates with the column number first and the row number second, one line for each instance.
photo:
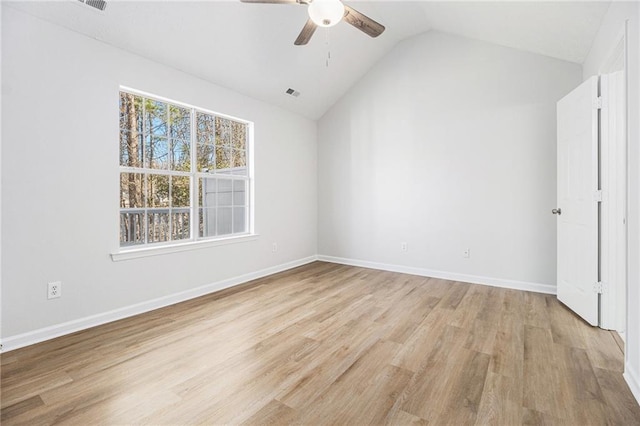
column 556, row 211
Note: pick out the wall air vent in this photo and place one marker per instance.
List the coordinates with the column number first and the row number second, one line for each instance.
column 97, row 4
column 292, row 92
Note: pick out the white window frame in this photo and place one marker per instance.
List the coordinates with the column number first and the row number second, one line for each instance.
column 195, row 242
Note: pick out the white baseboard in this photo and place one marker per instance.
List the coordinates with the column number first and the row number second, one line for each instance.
column 633, row 380
column 474, row 279
column 18, row 341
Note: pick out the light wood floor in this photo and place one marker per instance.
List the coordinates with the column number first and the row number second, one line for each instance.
column 331, row 344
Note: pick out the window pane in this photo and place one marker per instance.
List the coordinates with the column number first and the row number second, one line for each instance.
column 223, row 131
column 239, row 135
column 180, row 123
column 207, row 192
column 239, row 193
column 131, row 227
column 205, row 125
column 206, row 158
column 223, row 158
column 180, row 224
column 224, row 199
column 131, row 190
column 158, row 225
column 155, row 117
column 130, row 112
column 130, row 149
column 124, row 110
column 239, row 161
column 239, row 220
column 223, row 221
column 224, row 192
column 207, row 219
column 156, row 152
column 180, row 155
column 158, row 191
column 180, row 191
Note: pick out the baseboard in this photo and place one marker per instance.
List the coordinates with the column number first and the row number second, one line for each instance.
column 47, row 333
column 21, row 340
column 474, row 279
column 633, row 380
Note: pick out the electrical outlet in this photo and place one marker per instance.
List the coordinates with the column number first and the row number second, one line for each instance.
column 54, row 290
column 404, row 247
column 274, row 247
column 466, row 253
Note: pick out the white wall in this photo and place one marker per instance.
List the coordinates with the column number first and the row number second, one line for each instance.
column 448, row 143
column 612, row 25
column 60, row 179
column 1, row 8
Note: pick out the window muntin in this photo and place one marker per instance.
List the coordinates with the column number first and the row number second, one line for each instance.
column 184, row 173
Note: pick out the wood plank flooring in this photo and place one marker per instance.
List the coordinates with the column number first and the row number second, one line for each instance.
column 329, row 344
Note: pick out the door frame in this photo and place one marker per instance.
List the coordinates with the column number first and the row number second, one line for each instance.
column 615, row 294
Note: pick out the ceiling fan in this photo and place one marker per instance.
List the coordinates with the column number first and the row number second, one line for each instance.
column 327, row 13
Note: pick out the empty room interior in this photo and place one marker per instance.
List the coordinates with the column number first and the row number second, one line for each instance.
column 320, row 212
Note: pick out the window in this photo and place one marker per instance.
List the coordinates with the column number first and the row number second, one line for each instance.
column 184, row 173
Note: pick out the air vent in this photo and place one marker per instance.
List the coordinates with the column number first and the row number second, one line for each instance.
column 97, row 4
column 292, row 92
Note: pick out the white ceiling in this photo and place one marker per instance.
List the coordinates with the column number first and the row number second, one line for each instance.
column 249, row 47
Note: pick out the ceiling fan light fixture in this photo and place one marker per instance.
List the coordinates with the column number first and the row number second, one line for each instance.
column 326, row 13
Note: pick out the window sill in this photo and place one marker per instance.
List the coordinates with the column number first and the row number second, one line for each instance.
column 127, row 254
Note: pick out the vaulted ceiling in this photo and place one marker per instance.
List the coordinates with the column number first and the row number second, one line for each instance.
column 249, row 47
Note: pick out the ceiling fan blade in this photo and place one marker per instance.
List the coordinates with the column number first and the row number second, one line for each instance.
column 271, row 1
column 306, row 33
column 362, row 22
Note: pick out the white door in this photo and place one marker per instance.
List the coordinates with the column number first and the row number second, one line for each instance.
column 577, row 209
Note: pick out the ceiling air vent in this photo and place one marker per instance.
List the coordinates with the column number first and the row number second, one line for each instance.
column 97, row 4
column 292, row 92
